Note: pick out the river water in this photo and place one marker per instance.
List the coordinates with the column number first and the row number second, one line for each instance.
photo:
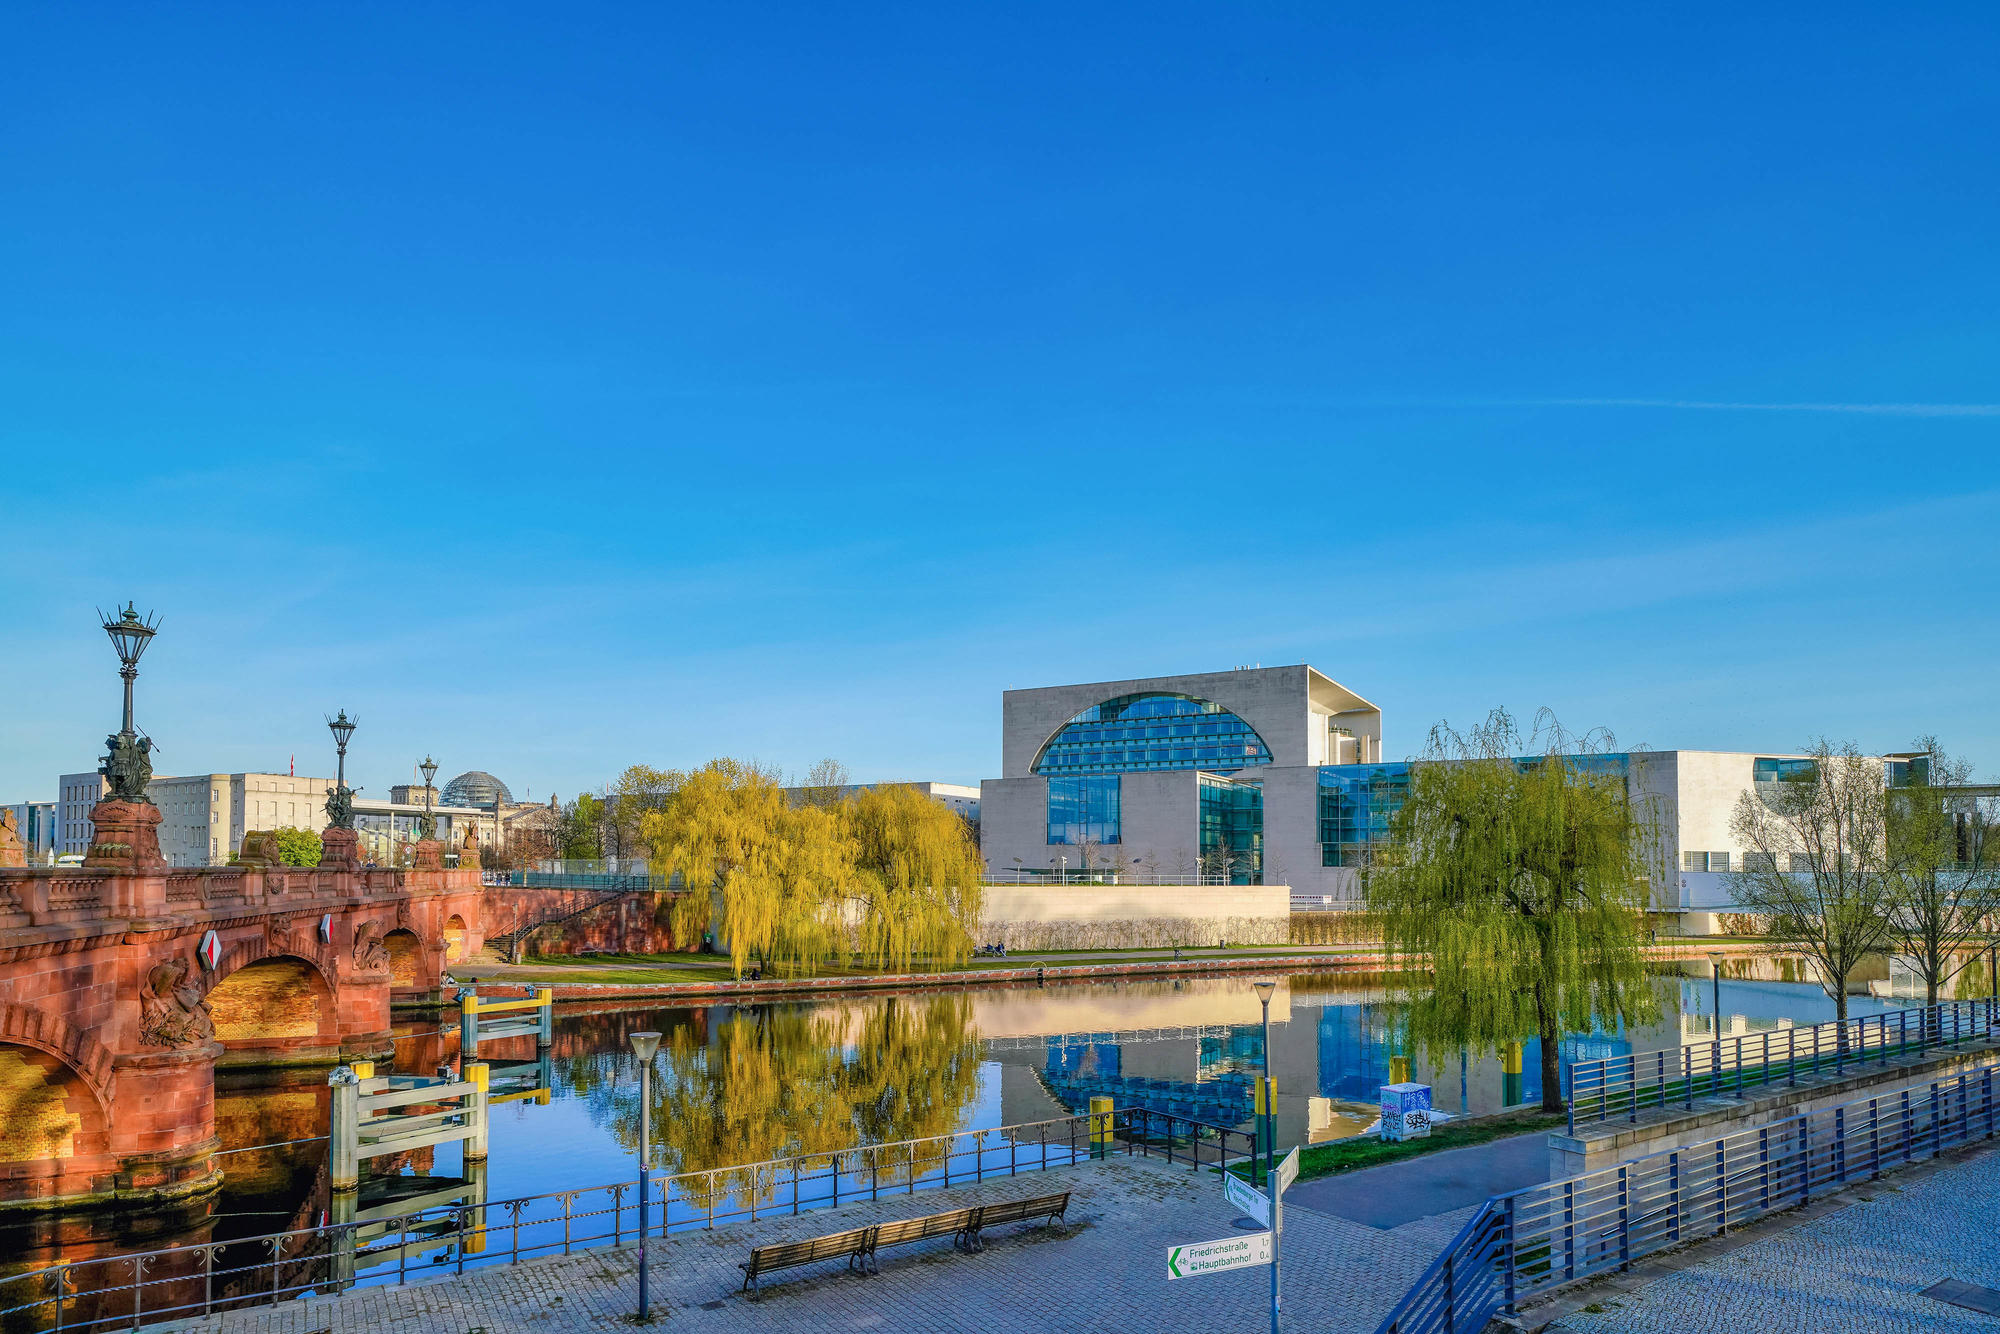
column 744, row 1083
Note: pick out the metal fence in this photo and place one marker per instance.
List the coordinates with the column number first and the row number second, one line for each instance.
column 1619, row 1087
column 127, row 1291
column 1545, row 1236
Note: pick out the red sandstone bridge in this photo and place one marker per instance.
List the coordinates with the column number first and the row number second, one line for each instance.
column 123, row 985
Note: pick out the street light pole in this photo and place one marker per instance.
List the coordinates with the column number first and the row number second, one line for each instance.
column 645, row 1046
column 1715, row 978
column 1270, row 1136
column 429, row 770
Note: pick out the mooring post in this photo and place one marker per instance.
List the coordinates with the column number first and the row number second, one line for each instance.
column 547, row 997
column 1100, row 1127
column 468, row 1025
column 476, row 1111
column 344, row 1138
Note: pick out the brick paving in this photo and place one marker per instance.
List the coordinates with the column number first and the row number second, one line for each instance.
column 1105, row 1272
column 1861, row 1268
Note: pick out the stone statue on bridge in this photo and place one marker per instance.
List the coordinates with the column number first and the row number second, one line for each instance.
column 370, row 952
column 11, row 851
column 172, row 1010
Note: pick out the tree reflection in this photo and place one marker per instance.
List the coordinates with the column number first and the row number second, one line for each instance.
column 781, row 1082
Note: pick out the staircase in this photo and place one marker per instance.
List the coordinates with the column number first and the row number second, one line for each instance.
column 509, row 942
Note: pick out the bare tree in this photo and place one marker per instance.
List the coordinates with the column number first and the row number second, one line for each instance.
column 1939, row 825
column 1820, row 866
column 825, row 784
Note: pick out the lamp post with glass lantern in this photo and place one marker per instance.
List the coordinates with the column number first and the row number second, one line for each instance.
column 129, row 766
column 1269, row 1133
column 644, row 1047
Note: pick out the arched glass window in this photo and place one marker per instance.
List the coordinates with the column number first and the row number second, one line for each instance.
column 1139, row 732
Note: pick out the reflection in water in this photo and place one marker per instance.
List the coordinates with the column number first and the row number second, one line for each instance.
column 741, row 1084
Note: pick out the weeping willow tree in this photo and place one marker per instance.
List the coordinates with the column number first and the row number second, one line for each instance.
column 1522, row 882
column 920, row 887
column 886, row 872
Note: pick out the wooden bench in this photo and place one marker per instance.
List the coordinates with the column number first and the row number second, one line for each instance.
column 1049, row 1208
column 859, row 1245
column 786, row 1254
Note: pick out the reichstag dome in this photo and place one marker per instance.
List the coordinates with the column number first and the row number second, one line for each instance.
column 475, row 787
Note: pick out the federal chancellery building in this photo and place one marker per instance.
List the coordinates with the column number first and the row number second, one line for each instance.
column 1277, row 775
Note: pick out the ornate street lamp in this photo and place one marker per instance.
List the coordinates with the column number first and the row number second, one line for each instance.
column 129, row 766
column 429, row 769
column 340, row 801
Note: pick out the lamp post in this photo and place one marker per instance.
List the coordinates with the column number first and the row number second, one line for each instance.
column 644, row 1047
column 340, row 801
column 129, row 766
column 1715, row 976
column 429, row 769
column 1265, row 990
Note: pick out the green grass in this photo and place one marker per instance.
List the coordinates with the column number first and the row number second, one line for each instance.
column 1351, row 1155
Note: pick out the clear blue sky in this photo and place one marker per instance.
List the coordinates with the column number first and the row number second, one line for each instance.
column 558, row 387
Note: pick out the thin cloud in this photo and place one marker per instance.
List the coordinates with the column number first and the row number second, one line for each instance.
column 1700, row 405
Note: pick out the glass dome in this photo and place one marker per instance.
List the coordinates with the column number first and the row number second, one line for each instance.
column 475, row 787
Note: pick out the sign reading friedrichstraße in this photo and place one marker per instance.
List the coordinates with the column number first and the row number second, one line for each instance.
column 1247, row 1198
column 1212, row 1257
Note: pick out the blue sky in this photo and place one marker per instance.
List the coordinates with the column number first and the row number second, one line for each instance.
column 563, row 389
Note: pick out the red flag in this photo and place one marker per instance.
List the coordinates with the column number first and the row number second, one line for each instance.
column 292, row 769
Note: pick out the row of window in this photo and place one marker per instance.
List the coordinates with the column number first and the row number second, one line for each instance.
column 1084, row 809
column 1232, row 830
column 1214, row 737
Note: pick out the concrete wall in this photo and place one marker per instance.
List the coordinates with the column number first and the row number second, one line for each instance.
column 1083, row 916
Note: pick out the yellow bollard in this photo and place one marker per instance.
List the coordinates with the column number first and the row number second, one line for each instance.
column 1100, row 1127
column 1511, row 1091
column 1399, row 1069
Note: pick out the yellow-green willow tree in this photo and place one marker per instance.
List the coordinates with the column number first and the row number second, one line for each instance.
column 1522, row 882
column 887, row 873
column 920, row 888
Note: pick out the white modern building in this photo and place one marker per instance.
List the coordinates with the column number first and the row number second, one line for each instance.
column 203, row 817
column 1277, row 776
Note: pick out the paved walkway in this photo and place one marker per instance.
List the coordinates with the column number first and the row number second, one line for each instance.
column 1108, row 1273
column 1860, row 1268
column 1432, row 1183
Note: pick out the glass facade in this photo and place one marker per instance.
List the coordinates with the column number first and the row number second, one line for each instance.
column 1232, row 830
column 1357, row 802
column 1140, row 732
column 1083, row 808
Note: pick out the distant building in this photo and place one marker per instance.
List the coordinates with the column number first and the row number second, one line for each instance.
column 203, row 817
column 385, row 826
column 964, row 800
column 476, row 787
column 36, row 822
column 75, row 795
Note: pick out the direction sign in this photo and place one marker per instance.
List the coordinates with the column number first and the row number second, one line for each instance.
column 1212, row 1257
column 1247, row 1198
column 1288, row 1171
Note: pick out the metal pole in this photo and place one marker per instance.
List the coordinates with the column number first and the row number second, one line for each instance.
column 645, row 1170
column 1270, row 1161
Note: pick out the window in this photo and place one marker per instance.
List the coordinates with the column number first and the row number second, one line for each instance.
column 1110, row 738
column 1232, row 830
column 1084, row 809
column 1799, row 862
column 1356, row 804
column 1704, row 861
column 1760, row 861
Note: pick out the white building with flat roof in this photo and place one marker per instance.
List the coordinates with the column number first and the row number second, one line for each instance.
column 203, row 817
column 75, row 795
column 1277, row 776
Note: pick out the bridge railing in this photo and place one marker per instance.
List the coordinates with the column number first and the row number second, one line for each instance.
column 1620, row 1087
column 125, row 1291
column 1542, row 1237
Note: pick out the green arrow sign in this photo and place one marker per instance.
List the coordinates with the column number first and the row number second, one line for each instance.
column 1212, row 1257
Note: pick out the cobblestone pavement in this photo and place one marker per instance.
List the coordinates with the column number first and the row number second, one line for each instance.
column 1107, row 1273
column 1862, row 1268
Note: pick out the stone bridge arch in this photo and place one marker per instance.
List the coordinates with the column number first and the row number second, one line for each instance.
column 24, row 1026
column 275, row 999
column 55, row 1106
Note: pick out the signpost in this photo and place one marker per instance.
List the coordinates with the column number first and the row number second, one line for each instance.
column 1288, row 1170
column 1247, row 1198
column 1213, row 1257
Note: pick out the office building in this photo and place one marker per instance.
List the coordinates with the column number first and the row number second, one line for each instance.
column 75, row 795
column 37, row 823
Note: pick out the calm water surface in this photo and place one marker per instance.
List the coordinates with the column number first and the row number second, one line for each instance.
column 743, row 1083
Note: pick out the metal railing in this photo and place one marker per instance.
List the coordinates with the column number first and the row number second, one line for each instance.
column 1542, row 1237
column 127, row 1291
column 602, row 880
column 1619, row 1087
